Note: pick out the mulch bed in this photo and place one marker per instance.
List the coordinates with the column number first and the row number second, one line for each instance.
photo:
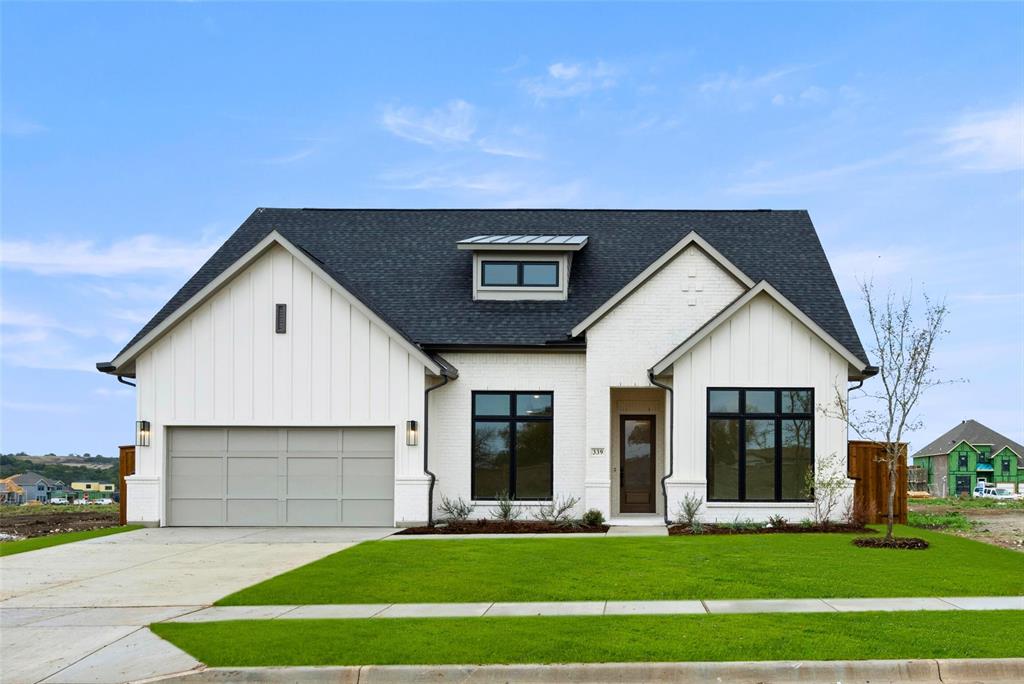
column 501, row 527
column 42, row 524
column 897, row 543
column 713, row 528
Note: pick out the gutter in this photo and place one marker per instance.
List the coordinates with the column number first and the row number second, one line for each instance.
column 671, row 440
column 109, row 368
column 426, row 453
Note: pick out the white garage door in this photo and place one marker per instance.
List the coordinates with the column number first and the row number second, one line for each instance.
column 281, row 476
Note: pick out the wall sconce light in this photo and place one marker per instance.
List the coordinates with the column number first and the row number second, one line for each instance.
column 142, row 433
column 411, row 427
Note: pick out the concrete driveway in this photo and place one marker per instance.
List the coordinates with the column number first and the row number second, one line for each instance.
column 77, row 612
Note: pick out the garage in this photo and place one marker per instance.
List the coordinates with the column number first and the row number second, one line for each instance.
column 295, row 476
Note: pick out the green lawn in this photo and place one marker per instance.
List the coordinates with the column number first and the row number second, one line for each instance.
column 9, row 548
column 971, row 503
column 15, row 511
column 792, row 636
column 637, row 568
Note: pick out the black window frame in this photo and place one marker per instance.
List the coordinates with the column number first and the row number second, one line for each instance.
column 741, row 415
column 963, row 461
column 519, row 273
column 1004, row 466
column 513, row 419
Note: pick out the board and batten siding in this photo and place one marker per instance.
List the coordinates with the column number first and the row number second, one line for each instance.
column 761, row 345
column 224, row 364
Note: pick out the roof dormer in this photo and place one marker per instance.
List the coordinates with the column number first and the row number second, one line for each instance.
column 508, row 267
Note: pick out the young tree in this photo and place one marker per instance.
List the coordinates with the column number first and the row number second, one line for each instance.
column 904, row 349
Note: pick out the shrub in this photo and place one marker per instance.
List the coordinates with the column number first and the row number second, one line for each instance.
column 826, row 485
column 457, row 510
column 507, row 510
column 688, row 512
column 697, row 527
column 806, row 522
column 558, row 512
column 593, row 518
column 740, row 524
column 777, row 521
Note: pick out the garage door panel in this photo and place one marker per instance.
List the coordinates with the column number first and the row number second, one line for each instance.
column 365, row 513
column 254, row 439
column 367, row 478
column 313, row 512
column 369, row 440
column 253, row 511
column 280, row 476
column 196, row 511
column 313, row 477
column 198, row 439
column 313, row 439
column 253, row 478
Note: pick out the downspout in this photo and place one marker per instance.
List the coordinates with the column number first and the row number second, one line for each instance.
column 671, row 439
column 426, row 437
column 120, row 379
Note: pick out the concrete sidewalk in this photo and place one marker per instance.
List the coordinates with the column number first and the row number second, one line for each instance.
column 488, row 609
column 765, row 672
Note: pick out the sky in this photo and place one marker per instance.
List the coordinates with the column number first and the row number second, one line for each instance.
column 136, row 137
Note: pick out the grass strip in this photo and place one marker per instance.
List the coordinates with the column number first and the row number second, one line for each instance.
column 642, row 568
column 9, row 548
column 647, row 638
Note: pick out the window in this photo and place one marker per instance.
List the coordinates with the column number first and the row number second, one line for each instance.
column 1006, row 466
column 519, row 273
column 961, row 461
column 512, row 445
column 760, row 444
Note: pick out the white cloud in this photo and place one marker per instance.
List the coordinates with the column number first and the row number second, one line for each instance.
column 562, row 80
column 740, row 81
column 779, row 99
column 135, row 255
column 500, row 148
column 814, row 94
column 812, row 180
column 19, row 127
column 35, row 407
column 454, row 123
column 987, row 141
column 291, row 158
column 490, row 188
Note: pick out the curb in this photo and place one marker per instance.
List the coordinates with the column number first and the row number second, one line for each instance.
column 766, row 672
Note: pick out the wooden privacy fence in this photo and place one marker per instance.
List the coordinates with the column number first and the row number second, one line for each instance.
column 127, row 467
column 870, row 473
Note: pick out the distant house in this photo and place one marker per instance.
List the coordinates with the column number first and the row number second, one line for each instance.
column 970, row 454
column 35, row 487
column 92, row 488
column 11, row 493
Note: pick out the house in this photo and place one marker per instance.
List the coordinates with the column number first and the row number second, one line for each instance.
column 970, row 454
column 93, row 489
column 350, row 367
column 11, row 493
column 35, row 487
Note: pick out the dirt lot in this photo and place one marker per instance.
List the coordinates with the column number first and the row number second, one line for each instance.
column 1002, row 527
column 39, row 521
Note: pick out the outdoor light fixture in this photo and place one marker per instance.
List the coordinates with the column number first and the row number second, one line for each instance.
column 142, row 433
column 410, row 432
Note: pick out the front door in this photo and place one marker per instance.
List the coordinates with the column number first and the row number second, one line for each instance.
column 636, row 464
column 963, row 484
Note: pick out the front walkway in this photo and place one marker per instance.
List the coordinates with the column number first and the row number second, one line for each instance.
column 450, row 610
column 77, row 612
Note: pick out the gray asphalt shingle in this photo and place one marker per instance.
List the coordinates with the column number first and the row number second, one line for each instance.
column 404, row 264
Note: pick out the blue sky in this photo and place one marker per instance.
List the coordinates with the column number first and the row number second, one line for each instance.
column 135, row 137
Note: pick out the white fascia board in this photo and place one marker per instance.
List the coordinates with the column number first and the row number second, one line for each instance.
column 272, row 238
column 725, row 314
column 692, row 238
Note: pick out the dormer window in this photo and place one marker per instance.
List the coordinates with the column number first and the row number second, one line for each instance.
column 519, row 273
column 522, row 266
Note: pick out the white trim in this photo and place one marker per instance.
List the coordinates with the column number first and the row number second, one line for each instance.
column 726, row 313
column 272, row 238
column 692, row 238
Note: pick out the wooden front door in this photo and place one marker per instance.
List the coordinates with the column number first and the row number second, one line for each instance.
column 636, row 464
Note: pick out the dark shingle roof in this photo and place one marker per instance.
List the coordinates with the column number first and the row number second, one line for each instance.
column 404, row 264
column 972, row 432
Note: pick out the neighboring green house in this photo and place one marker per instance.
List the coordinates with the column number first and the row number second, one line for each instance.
column 968, row 454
